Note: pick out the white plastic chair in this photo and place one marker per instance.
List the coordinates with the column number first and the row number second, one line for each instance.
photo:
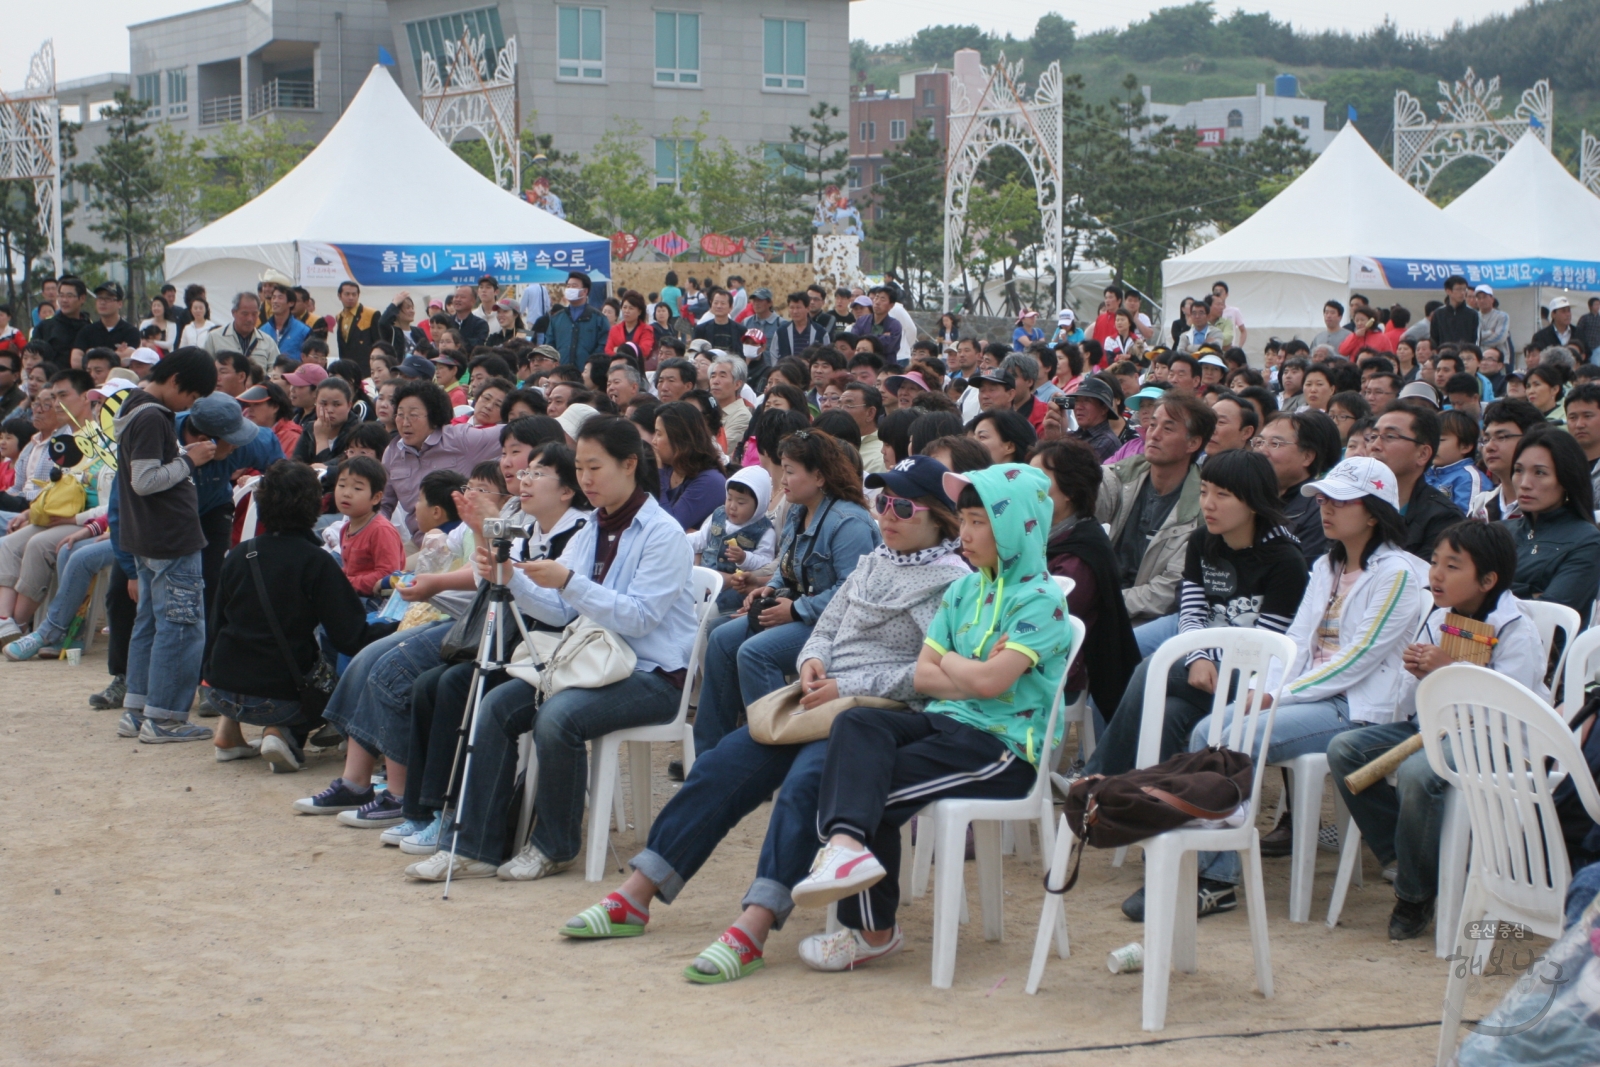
column 1306, row 777
column 1581, row 665
column 604, row 757
column 1503, row 738
column 1549, row 617
column 1172, row 858
column 949, row 819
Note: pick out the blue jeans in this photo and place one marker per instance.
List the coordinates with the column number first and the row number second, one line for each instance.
column 1297, row 730
column 1152, row 634
column 1117, row 748
column 1581, row 891
column 256, row 711
column 725, row 785
column 75, row 570
column 561, row 726
column 371, row 705
column 1401, row 823
column 169, row 638
column 741, row 669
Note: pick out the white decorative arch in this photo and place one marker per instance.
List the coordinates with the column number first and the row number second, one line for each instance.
column 30, row 144
column 1467, row 126
column 1589, row 162
column 989, row 109
column 472, row 100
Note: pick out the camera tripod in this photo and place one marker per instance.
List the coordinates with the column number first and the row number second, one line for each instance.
column 493, row 655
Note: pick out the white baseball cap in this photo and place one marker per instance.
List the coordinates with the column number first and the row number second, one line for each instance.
column 145, row 355
column 1559, row 302
column 1489, row 290
column 1356, row 478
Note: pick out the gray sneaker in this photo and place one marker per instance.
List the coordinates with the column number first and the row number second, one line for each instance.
column 204, row 707
column 110, row 698
column 171, row 731
column 130, row 723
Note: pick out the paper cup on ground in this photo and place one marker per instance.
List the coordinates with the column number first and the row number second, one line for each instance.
column 1128, row 959
column 74, row 657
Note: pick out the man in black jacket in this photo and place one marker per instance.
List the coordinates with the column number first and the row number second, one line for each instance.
column 1408, row 438
column 1560, row 331
column 1457, row 321
column 61, row 330
column 474, row 331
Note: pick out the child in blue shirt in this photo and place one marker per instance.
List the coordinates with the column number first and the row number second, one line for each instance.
column 1454, row 472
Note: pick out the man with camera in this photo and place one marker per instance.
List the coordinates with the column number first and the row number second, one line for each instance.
column 1092, row 404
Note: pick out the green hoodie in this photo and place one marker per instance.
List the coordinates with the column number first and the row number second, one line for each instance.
column 1021, row 603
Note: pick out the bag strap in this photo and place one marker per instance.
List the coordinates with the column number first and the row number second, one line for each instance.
column 1184, row 806
column 1077, row 847
column 272, row 616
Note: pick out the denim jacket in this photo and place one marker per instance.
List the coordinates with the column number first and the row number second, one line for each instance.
column 824, row 555
column 646, row 599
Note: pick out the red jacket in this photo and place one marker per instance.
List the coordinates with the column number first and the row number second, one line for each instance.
column 644, row 336
column 1373, row 339
column 372, row 554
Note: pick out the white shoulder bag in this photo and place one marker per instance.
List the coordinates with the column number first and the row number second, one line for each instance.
column 583, row 656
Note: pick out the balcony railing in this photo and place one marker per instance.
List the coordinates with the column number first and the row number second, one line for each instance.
column 282, row 93
column 221, row 109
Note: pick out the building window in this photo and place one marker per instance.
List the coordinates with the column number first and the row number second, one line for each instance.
column 147, row 89
column 430, row 35
column 580, row 42
column 672, row 160
column 785, row 63
column 775, row 160
column 677, row 48
column 1303, row 121
column 1235, row 119
column 897, row 129
column 927, row 98
column 177, row 92
column 853, row 177
column 869, row 132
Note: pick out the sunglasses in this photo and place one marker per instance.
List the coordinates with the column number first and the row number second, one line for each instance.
column 903, row 508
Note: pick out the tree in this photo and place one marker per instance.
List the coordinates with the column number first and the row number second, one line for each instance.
column 1053, row 38
column 182, row 173
column 907, row 235
column 250, row 158
column 816, row 157
column 936, row 44
column 123, row 188
column 1259, row 169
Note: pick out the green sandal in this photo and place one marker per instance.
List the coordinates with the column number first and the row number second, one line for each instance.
column 733, row 954
column 606, row 920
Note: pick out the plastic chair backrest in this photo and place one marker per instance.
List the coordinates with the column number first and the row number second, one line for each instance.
column 706, row 584
column 1548, row 617
column 1582, row 663
column 1502, row 737
column 1079, row 631
column 1247, row 656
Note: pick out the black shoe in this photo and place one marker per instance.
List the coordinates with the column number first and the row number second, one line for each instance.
column 675, row 770
column 1216, row 897
column 1213, row 897
column 1279, row 841
column 1409, row 920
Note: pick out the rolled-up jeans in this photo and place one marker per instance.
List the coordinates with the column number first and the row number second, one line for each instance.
column 169, row 636
column 724, row 786
column 371, row 705
column 561, row 726
column 741, row 668
column 1298, row 729
column 83, row 560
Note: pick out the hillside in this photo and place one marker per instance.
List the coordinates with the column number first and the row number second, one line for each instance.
column 1187, row 53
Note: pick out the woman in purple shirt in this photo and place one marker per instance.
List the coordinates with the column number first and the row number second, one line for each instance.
column 692, row 483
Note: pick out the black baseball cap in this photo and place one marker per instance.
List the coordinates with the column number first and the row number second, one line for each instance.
column 111, row 289
column 998, row 377
column 912, row 477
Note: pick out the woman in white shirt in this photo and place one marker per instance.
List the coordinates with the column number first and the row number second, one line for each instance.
column 161, row 316
column 194, row 334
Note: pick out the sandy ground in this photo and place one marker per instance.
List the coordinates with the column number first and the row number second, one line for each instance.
column 161, row 908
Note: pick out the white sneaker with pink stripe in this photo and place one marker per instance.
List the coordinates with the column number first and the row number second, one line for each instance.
column 836, row 873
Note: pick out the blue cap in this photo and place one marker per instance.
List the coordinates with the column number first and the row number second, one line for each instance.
column 417, row 368
column 1149, row 392
column 219, row 415
column 912, row 477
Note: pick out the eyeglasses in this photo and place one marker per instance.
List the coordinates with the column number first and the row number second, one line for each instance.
column 1328, row 500
column 1389, row 437
column 903, row 508
column 1275, row 443
column 1343, row 416
column 532, row 474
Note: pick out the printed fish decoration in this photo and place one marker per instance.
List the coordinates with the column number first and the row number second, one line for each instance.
column 1001, row 505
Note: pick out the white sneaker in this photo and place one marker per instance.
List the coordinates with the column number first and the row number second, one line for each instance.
column 9, row 630
column 434, row 868
column 530, row 864
column 228, row 755
column 845, row 950
column 276, row 751
column 836, row 873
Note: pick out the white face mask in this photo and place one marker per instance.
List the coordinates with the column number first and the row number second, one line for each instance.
column 751, row 351
column 573, row 294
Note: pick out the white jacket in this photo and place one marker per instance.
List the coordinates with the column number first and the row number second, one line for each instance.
column 1518, row 653
column 1381, row 613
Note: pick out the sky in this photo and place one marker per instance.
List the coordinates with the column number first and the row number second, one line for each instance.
column 96, row 40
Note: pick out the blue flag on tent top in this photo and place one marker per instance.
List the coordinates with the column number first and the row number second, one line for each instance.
column 1533, row 120
column 1350, row 112
column 384, row 58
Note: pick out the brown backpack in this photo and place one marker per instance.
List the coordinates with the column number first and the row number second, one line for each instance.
column 1121, row 809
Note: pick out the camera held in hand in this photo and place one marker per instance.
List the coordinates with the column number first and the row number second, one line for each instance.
column 757, row 606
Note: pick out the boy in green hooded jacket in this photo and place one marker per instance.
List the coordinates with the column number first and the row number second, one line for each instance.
column 993, row 661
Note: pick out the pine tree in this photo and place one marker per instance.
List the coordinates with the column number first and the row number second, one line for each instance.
column 123, row 189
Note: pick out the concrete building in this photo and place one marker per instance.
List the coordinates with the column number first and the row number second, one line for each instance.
column 1242, row 118
column 880, row 119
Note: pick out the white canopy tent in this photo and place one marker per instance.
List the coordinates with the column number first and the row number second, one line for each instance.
column 1319, row 238
column 1538, row 209
column 383, row 201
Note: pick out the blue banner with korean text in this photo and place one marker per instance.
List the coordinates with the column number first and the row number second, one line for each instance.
column 322, row 263
column 1498, row 273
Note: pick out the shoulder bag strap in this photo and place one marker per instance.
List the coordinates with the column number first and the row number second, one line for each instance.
column 272, row 616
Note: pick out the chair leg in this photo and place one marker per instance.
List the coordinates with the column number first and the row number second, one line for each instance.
column 1255, row 903
column 991, row 889
column 602, row 783
column 619, row 813
column 1349, row 863
column 948, row 896
column 1160, row 909
column 688, row 749
column 1455, row 848
column 528, row 761
column 906, row 850
column 1022, row 833
column 834, row 926
column 1455, row 987
column 1119, row 855
column 1053, row 916
column 922, row 861
column 1186, row 915
column 1303, row 862
column 639, row 771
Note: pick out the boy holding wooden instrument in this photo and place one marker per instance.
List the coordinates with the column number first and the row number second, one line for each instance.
column 1475, row 620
